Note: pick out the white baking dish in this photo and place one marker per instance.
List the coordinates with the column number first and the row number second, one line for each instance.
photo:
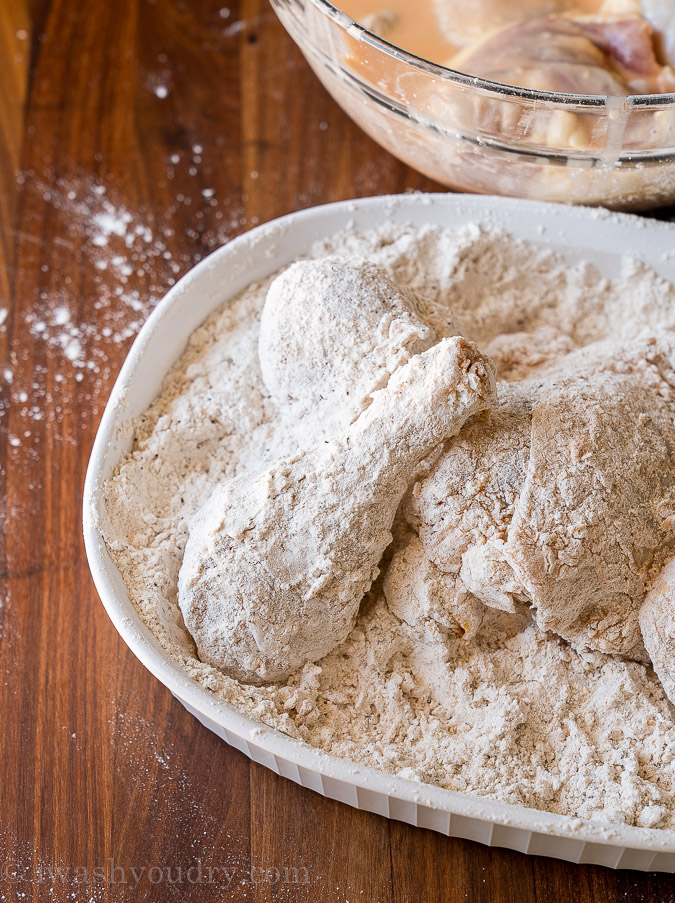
column 577, row 233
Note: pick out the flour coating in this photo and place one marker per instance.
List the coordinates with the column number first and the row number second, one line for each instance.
column 278, row 562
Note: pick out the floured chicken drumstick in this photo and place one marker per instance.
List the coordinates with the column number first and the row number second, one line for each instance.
column 581, row 55
column 331, row 333
column 565, row 497
column 277, row 563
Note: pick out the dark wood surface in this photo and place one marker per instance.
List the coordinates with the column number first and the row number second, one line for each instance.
column 104, row 776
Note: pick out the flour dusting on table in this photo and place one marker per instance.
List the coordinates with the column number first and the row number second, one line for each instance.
column 514, row 713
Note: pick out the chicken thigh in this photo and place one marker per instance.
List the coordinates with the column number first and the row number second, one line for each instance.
column 277, row 563
column 565, row 497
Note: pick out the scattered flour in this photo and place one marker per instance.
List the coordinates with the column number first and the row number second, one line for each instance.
column 514, row 713
column 128, row 259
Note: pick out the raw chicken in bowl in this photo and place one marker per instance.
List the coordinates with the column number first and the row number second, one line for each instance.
column 553, row 102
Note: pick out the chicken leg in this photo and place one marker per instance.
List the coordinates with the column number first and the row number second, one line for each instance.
column 332, row 332
column 277, row 563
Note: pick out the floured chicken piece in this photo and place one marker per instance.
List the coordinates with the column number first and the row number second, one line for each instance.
column 519, row 355
column 277, row 563
column 434, row 603
column 657, row 622
column 332, row 332
column 565, row 496
column 580, row 55
column 469, row 499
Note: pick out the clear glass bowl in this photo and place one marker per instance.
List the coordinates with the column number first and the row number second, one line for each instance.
column 475, row 135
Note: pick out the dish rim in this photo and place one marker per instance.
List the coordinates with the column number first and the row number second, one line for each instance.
column 146, row 646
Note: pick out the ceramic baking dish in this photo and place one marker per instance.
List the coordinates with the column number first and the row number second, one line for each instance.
column 576, row 232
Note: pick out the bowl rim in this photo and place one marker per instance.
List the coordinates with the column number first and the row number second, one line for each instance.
column 145, row 645
column 629, row 102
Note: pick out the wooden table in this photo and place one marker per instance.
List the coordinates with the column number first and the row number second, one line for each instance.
column 195, row 121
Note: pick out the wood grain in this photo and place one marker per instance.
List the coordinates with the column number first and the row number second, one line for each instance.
column 199, row 120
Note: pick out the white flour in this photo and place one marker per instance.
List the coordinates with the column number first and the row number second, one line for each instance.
column 513, row 714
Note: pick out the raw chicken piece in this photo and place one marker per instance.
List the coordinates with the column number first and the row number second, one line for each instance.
column 332, row 332
column 565, row 497
column 277, row 563
column 434, row 603
column 581, row 55
column 661, row 16
column 463, row 23
column 380, row 23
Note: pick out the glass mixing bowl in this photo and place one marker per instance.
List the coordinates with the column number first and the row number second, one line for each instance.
column 475, row 135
